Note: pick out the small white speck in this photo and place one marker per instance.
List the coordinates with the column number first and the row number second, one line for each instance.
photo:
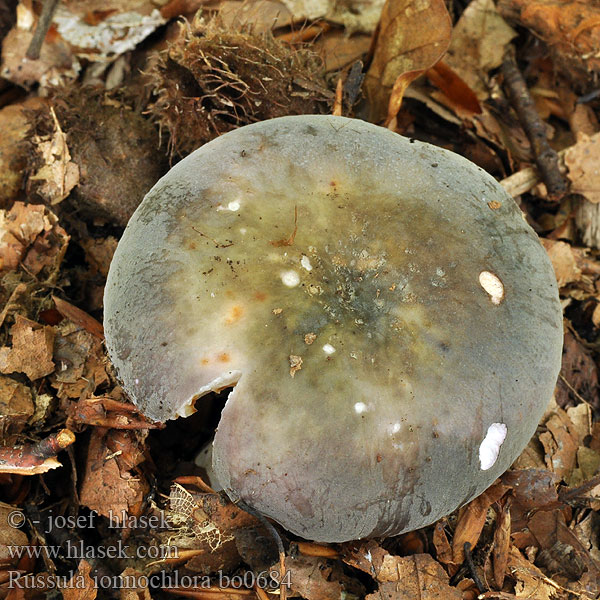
column 212, row 294
column 440, row 272
column 360, row 407
column 136, row 381
column 395, row 428
column 490, row 447
column 328, row 349
column 492, row 285
column 290, row 278
column 243, row 230
column 233, row 206
column 305, row 262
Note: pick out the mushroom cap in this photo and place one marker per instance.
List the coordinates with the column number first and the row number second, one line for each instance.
column 389, row 320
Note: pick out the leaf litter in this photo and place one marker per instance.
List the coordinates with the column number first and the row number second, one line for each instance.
column 83, row 116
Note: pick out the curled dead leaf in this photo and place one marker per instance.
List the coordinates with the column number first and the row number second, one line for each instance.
column 413, row 36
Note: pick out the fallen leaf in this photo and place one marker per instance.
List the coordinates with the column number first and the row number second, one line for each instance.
column 501, row 545
column 563, row 260
column 583, row 162
column 578, row 375
column 31, row 352
column 571, row 28
column 471, row 519
column 530, row 581
column 413, row 36
column 338, row 50
column 30, row 235
column 16, row 407
column 121, row 29
column 59, row 174
column 105, row 487
column 79, row 317
column 355, row 16
column 410, row 577
column 459, row 95
column 10, row 536
column 261, row 15
column 479, row 41
column 55, row 65
column 81, row 586
column 13, row 149
column 309, row 578
column 560, row 443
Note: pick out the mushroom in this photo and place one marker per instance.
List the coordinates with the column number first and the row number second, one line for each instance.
column 388, row 321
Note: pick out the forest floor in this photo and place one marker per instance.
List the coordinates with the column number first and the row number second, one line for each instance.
column 97, row 101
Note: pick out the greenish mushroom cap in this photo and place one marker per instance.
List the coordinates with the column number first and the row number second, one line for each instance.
column 390, row 322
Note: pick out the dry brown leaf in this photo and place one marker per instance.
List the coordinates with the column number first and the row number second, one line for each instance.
column 16, row 407
column 458, row 94
column 337, row 49
column 410, row 577
column 560, row 552
column 13, row 150
column 59, row 174
column 354, row 15
column 9, row 534
column 578, row 376
column 79, row 317
column 99, row 253
column 309, row 578
column 56, row 64
column 530, row 581
column 81, row 586
column 479, row 41
column 532, row 488
column 30, row 234
column 563, row 260
column 583, row 162
column 560, row 443
column 443, row 549
column 400, row 578
column 140, row 581
column 261, row 15
column 31, row 352
column 572, row 28
column 471, row 519
column 413, row 36
column 501, row 541
column 80, row 359
column 105, row 487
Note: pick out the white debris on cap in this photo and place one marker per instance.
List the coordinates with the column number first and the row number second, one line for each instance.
column 360, row 407
column 490, row 447
column 305, row 262
column 290, row 278
column 328, row 349
column 492, row 285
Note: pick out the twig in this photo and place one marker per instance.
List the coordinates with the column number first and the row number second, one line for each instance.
column 39, row 35
column 31, row 459
column 572, row 493
column 337, row 104
column 545, row 157
column 471, row 567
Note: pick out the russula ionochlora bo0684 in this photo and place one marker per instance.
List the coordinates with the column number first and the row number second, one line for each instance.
column 390, row 322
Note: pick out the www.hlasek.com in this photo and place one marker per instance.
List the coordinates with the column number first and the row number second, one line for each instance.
column 266, row 580
column 78, row 550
